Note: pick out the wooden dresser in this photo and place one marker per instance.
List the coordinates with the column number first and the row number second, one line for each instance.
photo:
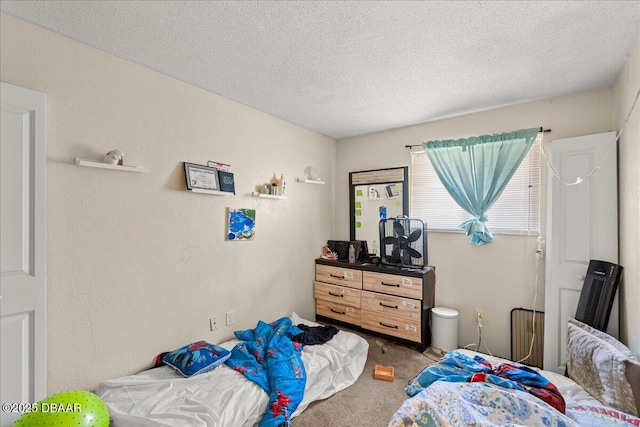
column 383, row 300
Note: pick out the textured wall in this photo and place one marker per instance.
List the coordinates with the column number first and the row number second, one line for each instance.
column 495, row 277
column 136, row 265
column 626, row 92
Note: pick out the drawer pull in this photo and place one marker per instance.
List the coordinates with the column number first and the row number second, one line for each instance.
column 395, row 285
column 395, row 307
column 338, row 312
column 388, row 326
column 336, row 295
column 336, row 276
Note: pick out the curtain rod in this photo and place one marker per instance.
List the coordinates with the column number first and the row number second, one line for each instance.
column 420, row 145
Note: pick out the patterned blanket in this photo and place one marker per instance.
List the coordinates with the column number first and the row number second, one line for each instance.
column 464, row 391
column 268, row 357
column 476, row 404
column 457, row 367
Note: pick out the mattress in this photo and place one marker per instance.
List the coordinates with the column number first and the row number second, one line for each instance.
column 224, row 397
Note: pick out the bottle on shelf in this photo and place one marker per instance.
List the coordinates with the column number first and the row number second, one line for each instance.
column 352, row 254
column 280, row 185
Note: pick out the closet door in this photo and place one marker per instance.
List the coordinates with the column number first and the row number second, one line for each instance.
column 22, row 256
column 582, row 224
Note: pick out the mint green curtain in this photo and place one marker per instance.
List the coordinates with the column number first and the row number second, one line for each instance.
column 476, row 170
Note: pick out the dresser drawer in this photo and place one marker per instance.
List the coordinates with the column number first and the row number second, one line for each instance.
column 338, row 311
column 337, row 294
column 339, row 276
column 410, row 287
column 392, row 325
column 390, row 305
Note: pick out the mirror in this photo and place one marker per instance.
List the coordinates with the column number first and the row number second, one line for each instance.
column 375, row 195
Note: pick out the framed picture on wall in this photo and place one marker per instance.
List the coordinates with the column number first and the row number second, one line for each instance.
column 200, row 176
column 241, row 224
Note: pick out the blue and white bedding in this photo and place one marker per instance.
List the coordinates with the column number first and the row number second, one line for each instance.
column 464, row 391
column 476, row 404
column 223, row 396
column 450, row 403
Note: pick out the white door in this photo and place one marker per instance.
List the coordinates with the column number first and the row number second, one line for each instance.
column 22, row 253
column 582, row 224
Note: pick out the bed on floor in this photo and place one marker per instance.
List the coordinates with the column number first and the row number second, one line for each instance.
column 224, row 396
column 472, row 389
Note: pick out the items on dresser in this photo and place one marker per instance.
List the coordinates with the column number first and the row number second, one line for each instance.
column 341, row 247
column 386, row 300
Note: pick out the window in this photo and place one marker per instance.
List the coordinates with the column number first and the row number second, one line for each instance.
column 517, row 211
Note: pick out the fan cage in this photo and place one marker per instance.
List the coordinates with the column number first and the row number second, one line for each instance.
column 389, row 228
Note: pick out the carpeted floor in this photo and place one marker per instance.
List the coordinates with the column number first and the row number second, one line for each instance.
column 369, row 402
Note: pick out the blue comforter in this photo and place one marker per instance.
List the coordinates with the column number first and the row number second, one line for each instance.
column 269, row 358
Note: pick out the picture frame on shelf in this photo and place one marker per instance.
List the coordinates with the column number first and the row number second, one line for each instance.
column 200, row 176
column 218, row 165
column 227, row 182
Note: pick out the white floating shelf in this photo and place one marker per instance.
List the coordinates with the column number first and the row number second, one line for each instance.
column 97, row 164
column 212, row 192
column 268, row 196
column 309, row 181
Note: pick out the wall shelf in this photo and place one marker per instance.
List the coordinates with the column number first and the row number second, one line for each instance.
column 309, row 181
column 98, row 164
column 211, row 192
column 267, row 196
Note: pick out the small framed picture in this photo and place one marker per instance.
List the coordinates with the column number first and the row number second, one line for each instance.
column 226, row 182
column 200, row 176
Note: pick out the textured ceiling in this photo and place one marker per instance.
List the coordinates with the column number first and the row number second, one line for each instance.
column 349, row 68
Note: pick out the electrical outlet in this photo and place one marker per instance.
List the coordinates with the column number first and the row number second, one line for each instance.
column 230, row 318
column 213, row 324
column 478, row 316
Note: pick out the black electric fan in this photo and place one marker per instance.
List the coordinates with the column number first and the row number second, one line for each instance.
column 403, row 242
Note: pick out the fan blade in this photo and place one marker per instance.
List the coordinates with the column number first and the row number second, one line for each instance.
column 414, row 253
column 395, row 254
column 415, row 235
column 406, row 257
column 398, row 228
column 390, row 240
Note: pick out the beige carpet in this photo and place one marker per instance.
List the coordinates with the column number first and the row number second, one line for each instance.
column 369, row 402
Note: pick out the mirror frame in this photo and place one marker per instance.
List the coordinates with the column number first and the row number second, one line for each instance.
column 398, row 175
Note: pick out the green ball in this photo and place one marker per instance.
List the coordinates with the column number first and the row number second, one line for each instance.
column 68, row 408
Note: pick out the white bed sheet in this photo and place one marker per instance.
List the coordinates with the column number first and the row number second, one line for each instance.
column 224, row 397
column 572, row 393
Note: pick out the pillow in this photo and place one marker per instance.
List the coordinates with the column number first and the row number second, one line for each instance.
column 601, row 416
column 617, row 345
column 598, row 363
column 196, row 358
column 633, row 376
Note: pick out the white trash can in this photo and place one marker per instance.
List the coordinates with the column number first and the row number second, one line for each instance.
column 444, row 328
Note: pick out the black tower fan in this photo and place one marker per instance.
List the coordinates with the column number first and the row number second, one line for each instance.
column 598, row 290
